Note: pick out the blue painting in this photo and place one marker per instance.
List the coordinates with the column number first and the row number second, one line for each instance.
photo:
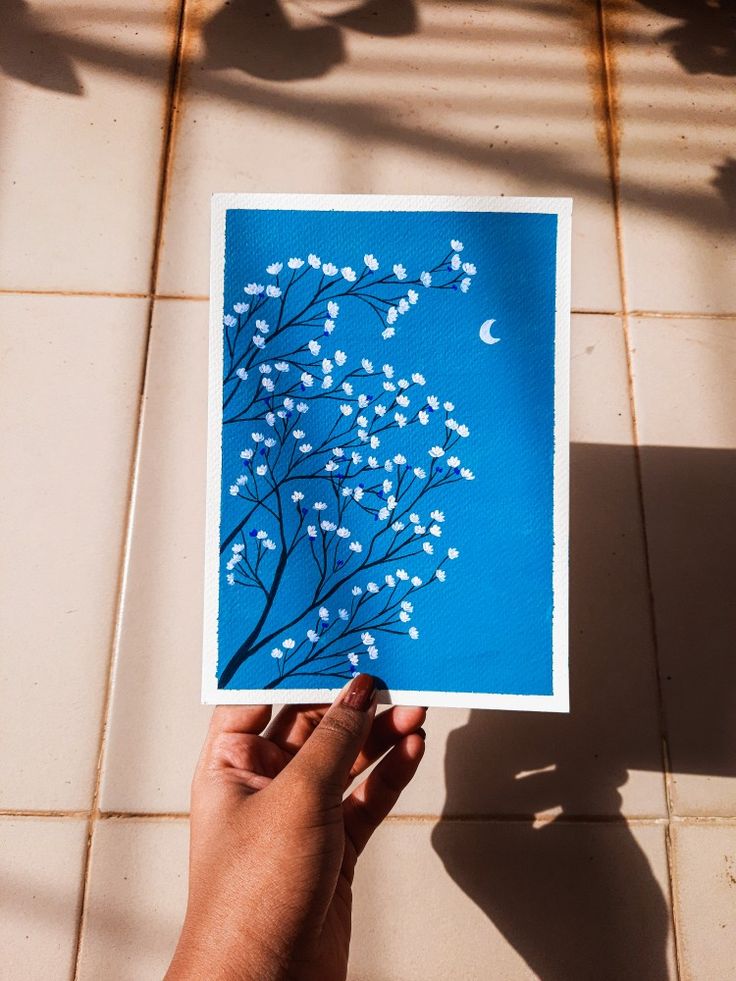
column 387, row 488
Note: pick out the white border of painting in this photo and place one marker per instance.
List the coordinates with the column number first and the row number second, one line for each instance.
column 558, row 701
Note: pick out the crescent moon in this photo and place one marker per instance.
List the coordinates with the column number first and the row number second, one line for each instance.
column 485, row 332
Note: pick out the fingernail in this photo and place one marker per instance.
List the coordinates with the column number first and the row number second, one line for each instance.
column 359, row 694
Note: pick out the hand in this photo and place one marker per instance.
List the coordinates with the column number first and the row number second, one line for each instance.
column 274, row 844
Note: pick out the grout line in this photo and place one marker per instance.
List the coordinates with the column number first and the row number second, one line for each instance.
column 94, row 813
column 50, row 292
column 6, row 812
column 614, row 149
column 665, row 315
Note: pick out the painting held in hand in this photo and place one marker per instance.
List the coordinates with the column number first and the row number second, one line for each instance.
column 388, row 447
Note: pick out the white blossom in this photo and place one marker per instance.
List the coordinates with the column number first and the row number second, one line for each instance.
column 371, row 261
column 425, row 279
column 298, row 433
column 302, row 407
column 297, row 496
column 433, row 402
column 253, row 289
column 305, row 448
column 413, row 633
column 261, row 470
column 281, row 366
column 274, row 268
column 234, row 490
column 356, row 590
column 246, row 454
column 463, row 431
column 329, row 326
column 333, row 308
column 467, row 474
column 355, row 547
column 423, row 417
column 314, row 260
column 441, row 575
column 400, row 420
column 420, row 473
column 241, row 307
column 402, row 574
column 324, row 614
column 453, row 461
column 367, row 366
column 347, row 410
column 416, row 581
column 399, row 271
column 392, row 315
column 343, row 532
column 229, row 321
column 372, row 587
column 465, row 284
column 295, row 263
column 452, row 553
column 343, row 614
column 258, row 341
column 312, row 636
column 437, row 516
column 329, row 269
column 428, row 548
column 373, row 652
column 289, row 644
column 435, row 530
column 312, row 531
column 456, row 246
column 242, row 374
column 277, row 653
column 436, row 452
column 412, row 296
column 340, row 358
column 348, row 274
column 469, row 269
column 367, row 638
column 455, row 262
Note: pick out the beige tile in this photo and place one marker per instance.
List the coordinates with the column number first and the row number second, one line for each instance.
column 83, row 109
column 477, row 900
column 677, row 116
column 483, row 99
column 705, row 886
column 136, row 899
column 605, row 757
column 157, row 723
column 71, row 370
column 685, row 373
column 41, row 864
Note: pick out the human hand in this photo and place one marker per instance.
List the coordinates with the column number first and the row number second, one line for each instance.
column 273, row 843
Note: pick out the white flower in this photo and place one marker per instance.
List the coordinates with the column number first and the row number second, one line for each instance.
column 271, row 546
column 388, row 370
column 463, row 431
column 230, row 578
column 418, row 378
column 398, row 526
column 402, row 400
column 305, row 448
column 400, row 420
column 362, row 421
column 298, row 434
column 380, row 409
column 343, row 532
column 392, row 315
column 407, row 606
column 312, row 636
column 399, row 271
column 329, row 326
column 343, row 614
column 353, row 658
column 314, row 348
column 242, row 479
column 367, row 366
column 452, row 553
column 448, row 406
column 333, row 308
column 347, row 492
column 277, row 653
column 234, row 490
column 456, row 246
column 319, row 506
column 348, row 274
column 437, row 516
column 297, row 496
column 435, row 530
column 426, row 279
column 301, row 407
column 281, row 365
column 441, row 575
column 288, row 644
column 331, row 466
column 329, row 269
column 262, row 470
column 347, row 410
column 428, row 548
column 372, row 462
column 433, row 402
column 469, row 268
column 372, row 653
column 340, row 358
column 314, row 260
column 238, row 547
column 416, row 581
column 372, row 587
column 436, row 452
column 338, row 451
column 312, row 531
column 467, row 474
column 242, row 374
column 404, row 617
column 241, row 307
column 423, row 417
column 356, row 458
column 267, row 384
column 414, row 518
column 327, row 381
column 420, row 529
column 402, row 574
column 389, row 386
column 246, row 454
column 451, row 424
column 455, row 262
column 412, row 296
column 355, row 547
column 384, row 514
column 257, row 437
column 306, row 379
column 295, row 263
column 258, row 341
column 465, row 284
column 275, row 268
column 262, row 326
column 371, row 262
column 327, row 525
column 326, row 366
column 388, row 466
column 453, row 461
column 403, row 305
column 347, row 388
column 419, row 473
column 288, row 404
column 356, row 590
column 413, row 633
column 367, row 638
column 324, row 614
column 229, row 321
column 253, row 289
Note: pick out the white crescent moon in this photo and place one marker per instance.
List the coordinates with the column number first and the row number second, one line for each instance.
column 485, row 332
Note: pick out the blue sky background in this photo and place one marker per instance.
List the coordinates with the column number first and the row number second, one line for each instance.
column 488, row 627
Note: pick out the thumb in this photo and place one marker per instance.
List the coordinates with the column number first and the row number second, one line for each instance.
column 328, row 755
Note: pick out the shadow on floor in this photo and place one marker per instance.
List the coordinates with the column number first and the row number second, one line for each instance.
column 704, row 40
column 578, row 900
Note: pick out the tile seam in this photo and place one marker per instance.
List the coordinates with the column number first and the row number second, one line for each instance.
column 170, row 106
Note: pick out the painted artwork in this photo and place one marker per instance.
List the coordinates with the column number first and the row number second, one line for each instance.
column 388, row 445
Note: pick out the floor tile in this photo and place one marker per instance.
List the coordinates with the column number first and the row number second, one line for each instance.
column 705, row 884
column 421, row 98
column 41, row 865
column 136, row 899
column 84, row 96
column 157, row 723
column 677, row 115
column 71, row 370
column 474, row 900
column 685, row 383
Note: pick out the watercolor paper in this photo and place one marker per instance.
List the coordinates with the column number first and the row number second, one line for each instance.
column 388, row 449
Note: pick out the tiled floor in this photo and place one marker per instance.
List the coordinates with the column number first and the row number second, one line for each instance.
column 601, row 844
